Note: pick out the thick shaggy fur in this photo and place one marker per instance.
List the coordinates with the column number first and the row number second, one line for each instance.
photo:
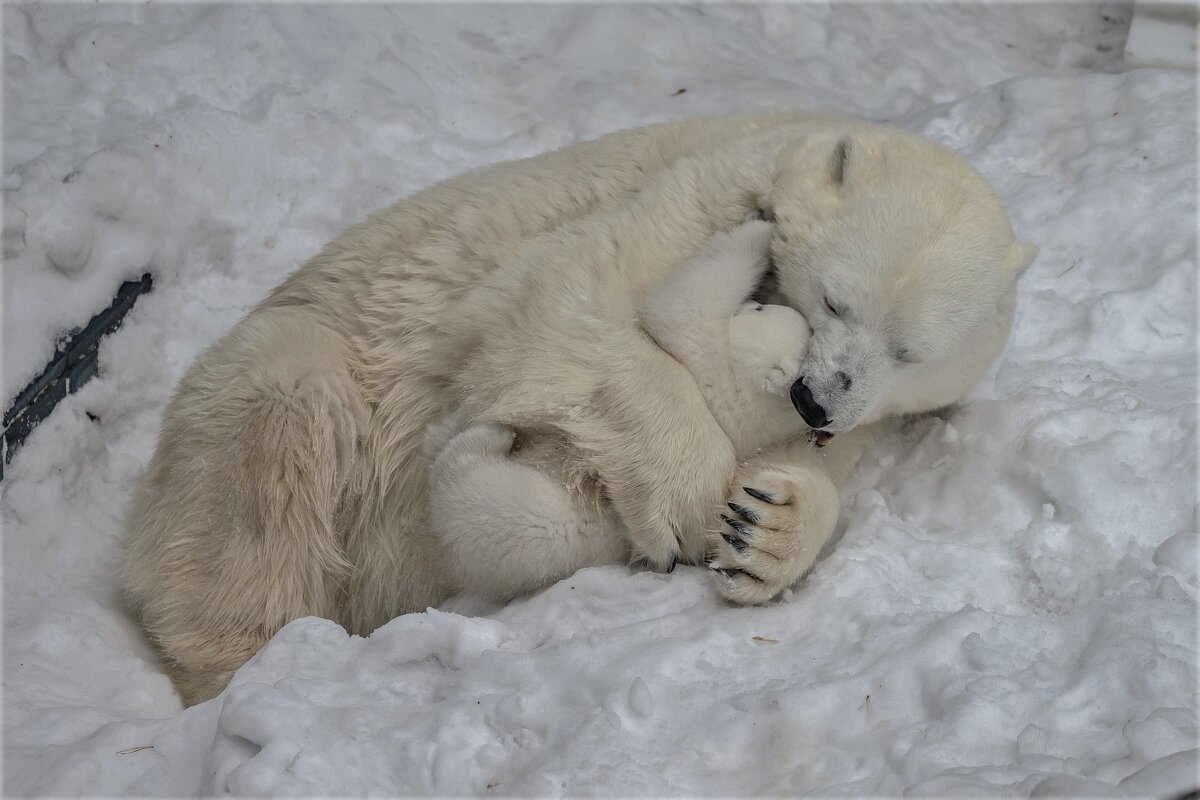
column 744, row 355
column 511, row 517
column 291, row 477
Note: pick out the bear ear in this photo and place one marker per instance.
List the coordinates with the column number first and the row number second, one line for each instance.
column 1020, row 256
column 841, row 156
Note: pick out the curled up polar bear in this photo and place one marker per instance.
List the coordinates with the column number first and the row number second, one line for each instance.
column 291, row 476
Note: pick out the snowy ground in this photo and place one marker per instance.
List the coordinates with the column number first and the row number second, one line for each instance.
column 1011, row 609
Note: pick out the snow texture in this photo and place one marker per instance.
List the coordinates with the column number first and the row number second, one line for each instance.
column 1011, row 607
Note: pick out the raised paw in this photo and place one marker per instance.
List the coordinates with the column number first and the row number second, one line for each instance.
column 773, row 526
column 769, row 342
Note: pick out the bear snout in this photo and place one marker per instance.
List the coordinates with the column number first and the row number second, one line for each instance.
column 812, row 411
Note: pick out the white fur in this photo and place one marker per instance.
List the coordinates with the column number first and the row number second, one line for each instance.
column 743, row 355
column 290, row 477
column 508, row 528
column 510, row 523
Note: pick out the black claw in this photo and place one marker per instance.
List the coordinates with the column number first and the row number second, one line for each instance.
column 674, row 561
column 744, row 513
column 742, row 528
column 737, row 544
column 759, row 495
column 725, row 572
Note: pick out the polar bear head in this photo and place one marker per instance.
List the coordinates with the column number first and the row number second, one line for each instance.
column 902, row 259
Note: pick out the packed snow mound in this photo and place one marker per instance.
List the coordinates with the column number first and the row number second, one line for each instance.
column 1011, row 606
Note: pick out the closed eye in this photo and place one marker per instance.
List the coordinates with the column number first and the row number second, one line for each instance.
column 830, row 306
column 904, row 355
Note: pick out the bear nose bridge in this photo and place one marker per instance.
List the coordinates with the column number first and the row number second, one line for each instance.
column 835, row 364
column 841, row 376
column 853, row 361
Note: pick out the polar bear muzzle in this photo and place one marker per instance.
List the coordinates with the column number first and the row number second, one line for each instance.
column 812, row 411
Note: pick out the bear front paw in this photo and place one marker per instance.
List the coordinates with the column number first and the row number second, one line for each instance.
column 769, row 343
column 770, row 532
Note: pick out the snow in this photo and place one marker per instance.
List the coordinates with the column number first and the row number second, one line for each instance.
column 1010, row 609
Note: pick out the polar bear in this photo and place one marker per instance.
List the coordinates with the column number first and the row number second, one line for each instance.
column 511, row 521
column 290, row 479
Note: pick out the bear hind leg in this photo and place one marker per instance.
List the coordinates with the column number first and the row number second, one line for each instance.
column 234, row 531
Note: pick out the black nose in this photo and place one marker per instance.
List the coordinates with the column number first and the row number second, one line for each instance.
column 802, row 399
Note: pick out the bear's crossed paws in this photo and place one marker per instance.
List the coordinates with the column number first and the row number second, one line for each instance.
column 774, row 525
column 776, row 521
